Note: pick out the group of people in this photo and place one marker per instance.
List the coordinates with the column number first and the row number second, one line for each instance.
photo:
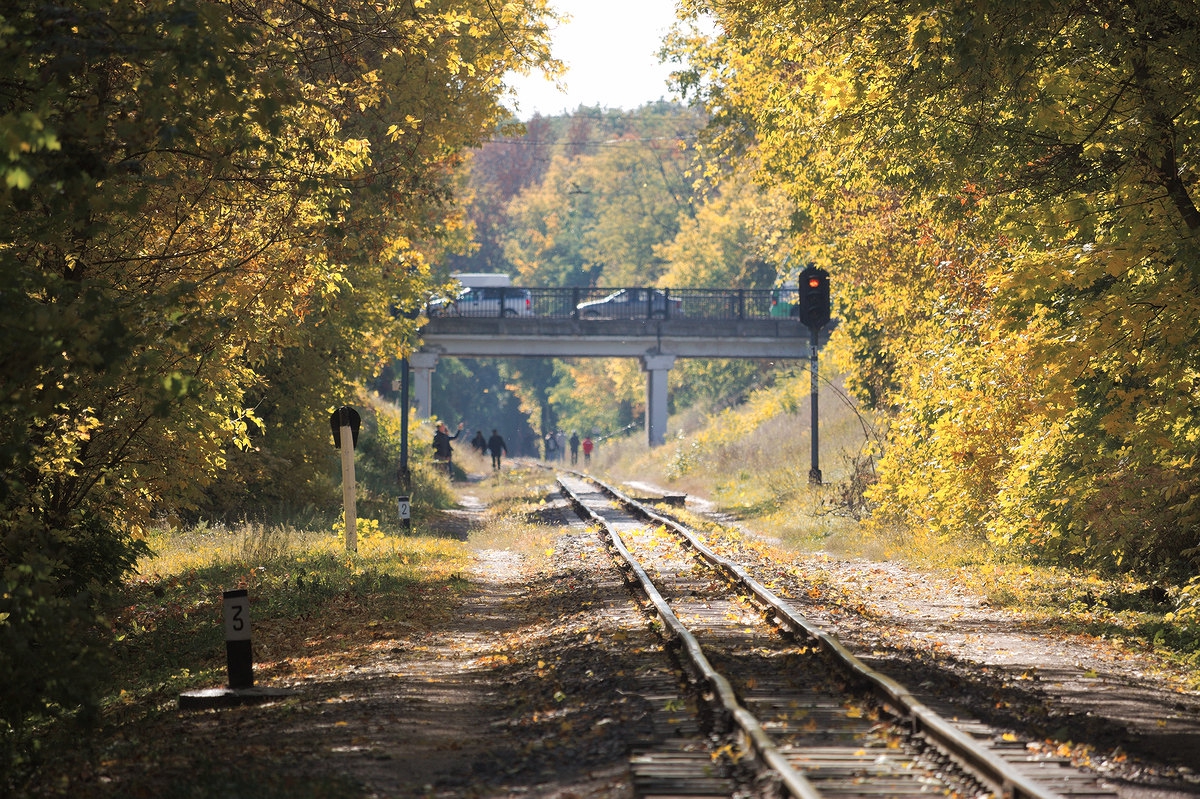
column 493, row 444
column 444, row 453
column 554, row 442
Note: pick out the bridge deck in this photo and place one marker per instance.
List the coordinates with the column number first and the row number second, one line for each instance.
column 565, row 338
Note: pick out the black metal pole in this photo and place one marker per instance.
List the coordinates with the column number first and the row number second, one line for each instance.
column 814, row 474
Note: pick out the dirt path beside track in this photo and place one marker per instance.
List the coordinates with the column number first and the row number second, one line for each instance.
column 536, row 687
column 1120, row 712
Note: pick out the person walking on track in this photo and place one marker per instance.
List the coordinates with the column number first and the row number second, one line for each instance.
column 496, row 447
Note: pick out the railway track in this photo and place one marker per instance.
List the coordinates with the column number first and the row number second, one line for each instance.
column 797, row 713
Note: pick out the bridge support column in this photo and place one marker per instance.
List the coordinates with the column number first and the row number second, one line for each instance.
column 656, row 367
column 423, row 364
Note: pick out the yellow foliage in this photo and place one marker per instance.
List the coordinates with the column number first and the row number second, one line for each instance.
column 1012, row 248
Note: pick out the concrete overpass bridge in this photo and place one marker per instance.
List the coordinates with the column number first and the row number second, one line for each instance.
column 694, row 323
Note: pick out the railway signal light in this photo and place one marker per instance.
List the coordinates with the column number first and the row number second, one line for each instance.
column 814, row 297
column 812, row 307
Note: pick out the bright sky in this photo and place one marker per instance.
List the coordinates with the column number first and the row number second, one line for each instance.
column 609, row 49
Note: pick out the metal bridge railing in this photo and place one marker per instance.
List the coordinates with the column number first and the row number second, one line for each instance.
column 629, row 303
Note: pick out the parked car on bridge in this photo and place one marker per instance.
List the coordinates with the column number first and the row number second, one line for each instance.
column 485, row 301
column 632, row 304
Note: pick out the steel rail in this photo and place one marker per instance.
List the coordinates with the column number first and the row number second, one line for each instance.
column 992, row 769
column 795, row 782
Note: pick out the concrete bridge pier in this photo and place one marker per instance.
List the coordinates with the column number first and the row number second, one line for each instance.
column 656, row 368
column 423, row 364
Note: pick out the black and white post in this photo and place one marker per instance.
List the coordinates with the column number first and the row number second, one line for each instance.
column 238, row 654
column 348, row 490
column 404, row 512
column 345, row 423
column 239, row 660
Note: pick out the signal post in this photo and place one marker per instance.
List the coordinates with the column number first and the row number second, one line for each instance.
column 814, row 314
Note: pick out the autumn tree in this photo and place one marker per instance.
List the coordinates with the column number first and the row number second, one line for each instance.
column 598, row 395
column 605, row 201
column 1044, row 149
column 205, row 206
column 498, row 171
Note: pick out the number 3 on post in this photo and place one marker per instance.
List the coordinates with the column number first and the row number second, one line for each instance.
column 237, row 615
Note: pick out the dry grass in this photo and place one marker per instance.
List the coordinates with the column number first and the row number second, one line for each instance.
column 255, row 546
column 303, row 587
column 517, row 498
column 176, row 551
column 533, row 541
column 753, row 462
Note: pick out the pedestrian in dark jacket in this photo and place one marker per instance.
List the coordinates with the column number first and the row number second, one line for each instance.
column 496, row 446
column 442, row 451
column 574, row 442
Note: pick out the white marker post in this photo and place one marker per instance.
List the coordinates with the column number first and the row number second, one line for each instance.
column 238, row 655
column 404, row 511
column 348, row 491
column 345, row 422
column 239, row 660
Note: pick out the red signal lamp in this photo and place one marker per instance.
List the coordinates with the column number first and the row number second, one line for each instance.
column 814, row 297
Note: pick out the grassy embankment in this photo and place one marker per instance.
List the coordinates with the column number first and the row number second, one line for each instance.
column 307, row 592
column 753, row 461
column 315, row 608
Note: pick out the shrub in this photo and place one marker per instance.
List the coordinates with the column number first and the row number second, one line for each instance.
column 52, row 647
